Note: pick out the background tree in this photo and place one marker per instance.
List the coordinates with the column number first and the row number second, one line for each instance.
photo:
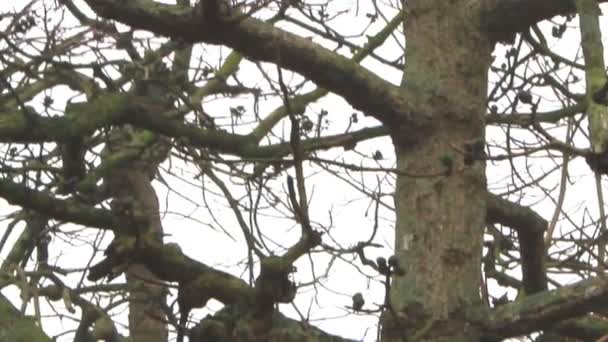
column 240, row 115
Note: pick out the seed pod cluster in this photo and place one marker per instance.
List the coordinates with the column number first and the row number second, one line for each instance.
column 392, row 267
column 358, row 301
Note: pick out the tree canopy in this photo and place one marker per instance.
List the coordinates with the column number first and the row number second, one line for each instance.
column 295, row 170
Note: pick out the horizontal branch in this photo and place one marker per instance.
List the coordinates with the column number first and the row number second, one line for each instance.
column 60, row 209
column 261, row 41
column 589, row 328
column 526, row 119
column 346, row 140
column 84, row 118
column 26, row 126
column 170, row 264
column 542, row 310
column 283, row 328
column 516, row 216
column 508, row 17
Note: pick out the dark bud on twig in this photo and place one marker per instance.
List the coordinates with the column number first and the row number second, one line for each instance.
column 382, row 266
column 601, row 96
column 399, row 271
column 598, row 162
column 307, row 125
column 448, row 164
column 500, row 300
column 524, row 97
column 73, row 151
column 47, row 102
column 474, row 151
column 393, row 263
column 358, row 301
column 558, row 31
column 512, row 52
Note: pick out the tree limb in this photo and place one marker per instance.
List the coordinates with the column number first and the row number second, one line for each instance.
column 16, row 327
column 45, row 203
column 540, row 311
column 508, row 17
column 530, row 229
column 261, row 41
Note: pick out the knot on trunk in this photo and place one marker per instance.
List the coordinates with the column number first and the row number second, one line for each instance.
column 273, row 285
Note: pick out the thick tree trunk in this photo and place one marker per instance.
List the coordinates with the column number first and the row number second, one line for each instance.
column 148, row 296
column 440, row 218
column 131, row 188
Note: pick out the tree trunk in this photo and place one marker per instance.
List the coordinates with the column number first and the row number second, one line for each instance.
column 131, row 187
column 146, row 316
column 440, row 216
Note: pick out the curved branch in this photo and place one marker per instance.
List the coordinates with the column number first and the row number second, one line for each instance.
column 508, row 17
column 527, row 119
column 540, row 311
column 530, row 229
column 261, row 41
column 44, row 203
column 170, row 264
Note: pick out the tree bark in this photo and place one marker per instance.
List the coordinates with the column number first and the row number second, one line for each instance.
column 132, row 192
column 440, row 219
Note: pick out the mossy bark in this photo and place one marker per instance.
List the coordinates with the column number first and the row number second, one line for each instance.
column 15, row 327
column 440, row 217
column 130, row 186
